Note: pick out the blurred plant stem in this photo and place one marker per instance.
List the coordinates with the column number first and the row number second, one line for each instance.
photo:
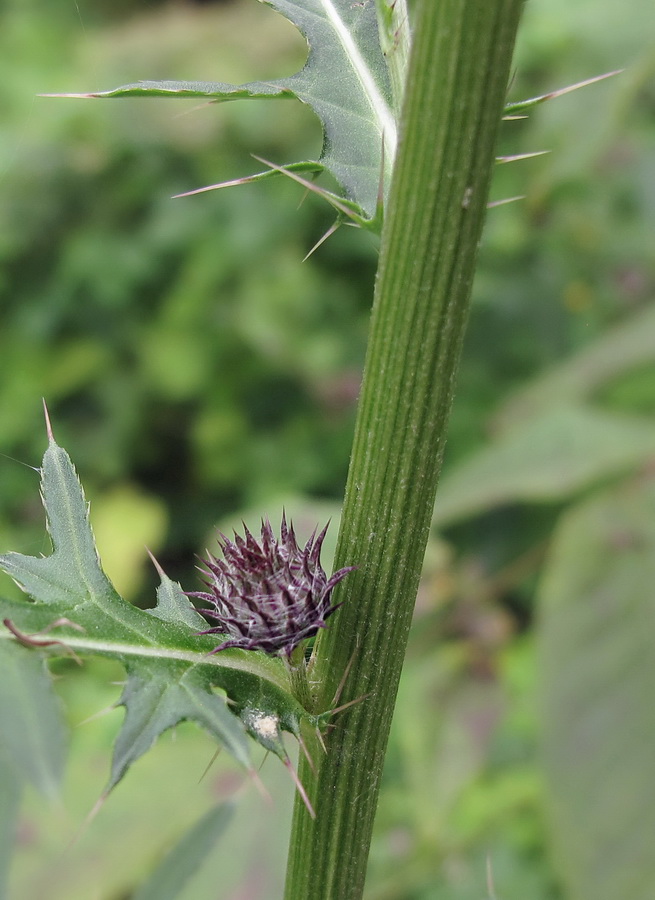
column 457, row 79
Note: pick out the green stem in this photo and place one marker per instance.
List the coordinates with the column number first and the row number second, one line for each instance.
column 459, row 68
column 298, row 677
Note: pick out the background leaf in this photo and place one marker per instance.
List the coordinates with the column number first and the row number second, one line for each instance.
column 10, row 794
column 32, row 733
column 629, row 345
column 186, row 857
column 597, row 676
column 545, row 459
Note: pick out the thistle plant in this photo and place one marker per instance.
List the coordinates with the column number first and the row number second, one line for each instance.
column 411, row 145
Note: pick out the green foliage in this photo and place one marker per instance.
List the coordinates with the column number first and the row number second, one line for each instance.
column 185, row 858
column 597, row 677
column 33, row 737
column 197, row 371
column 171, row 676
column 546, row 458
column 346, row 82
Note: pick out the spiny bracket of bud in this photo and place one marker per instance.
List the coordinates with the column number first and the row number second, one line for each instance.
column 268, row 594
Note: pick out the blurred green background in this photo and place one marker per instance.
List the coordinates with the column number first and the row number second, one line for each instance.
column 198, row 373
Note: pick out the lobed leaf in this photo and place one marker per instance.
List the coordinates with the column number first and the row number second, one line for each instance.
column 156, row 700
column 345, row 81
column 353, row 79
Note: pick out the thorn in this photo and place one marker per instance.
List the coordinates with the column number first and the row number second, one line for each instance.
column 210, row 764
column 380, row 196
column 264, row 758
column 29, row 640
column 98, row 715
column 62, row 621
column 48, row 426
column 333, row 712
column 259, row 784
column 518, row 156
column 514, row 118
column 215, row 187
column 512, row 108
column 490, row 879
column 70, row 96
column 507, row 200
column 97, row 806
column 326, row 195
column 320, row 739
column 158, row 568
column 21, row 463
column 193, row 109
column 580, row 84
column 299, row 787
column 339, row 690
column 303, row 747
column 322, row 240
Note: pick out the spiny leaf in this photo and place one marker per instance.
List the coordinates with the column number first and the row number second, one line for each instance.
column 156, row 700
column 171, row 674
column 354, row 81
column 345, row 81
column 183, row 861
column 32, row 733
column 72, row 572
column 173, row 605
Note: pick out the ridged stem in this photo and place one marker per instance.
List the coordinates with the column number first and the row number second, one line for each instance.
column 458, row 74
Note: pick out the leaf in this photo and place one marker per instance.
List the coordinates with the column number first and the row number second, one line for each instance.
column 155, row 702
column 625, row 347
column 173, row 604
column 353, row 79
column 32, row 733
column 186, row 857
column 344, row 80
column 545, row 460
column 10, row 794
column 171, row 675
column 597, row 674
column 72, row 573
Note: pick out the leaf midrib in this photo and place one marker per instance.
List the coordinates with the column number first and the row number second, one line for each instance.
column 196, row 658
column 380, row 107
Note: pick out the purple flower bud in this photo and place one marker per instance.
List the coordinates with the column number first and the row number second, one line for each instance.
column 268, row 595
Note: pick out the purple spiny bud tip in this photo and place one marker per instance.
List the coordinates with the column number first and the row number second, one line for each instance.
column 269, row 594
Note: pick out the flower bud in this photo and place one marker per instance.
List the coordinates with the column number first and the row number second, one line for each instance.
column 269, row 594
